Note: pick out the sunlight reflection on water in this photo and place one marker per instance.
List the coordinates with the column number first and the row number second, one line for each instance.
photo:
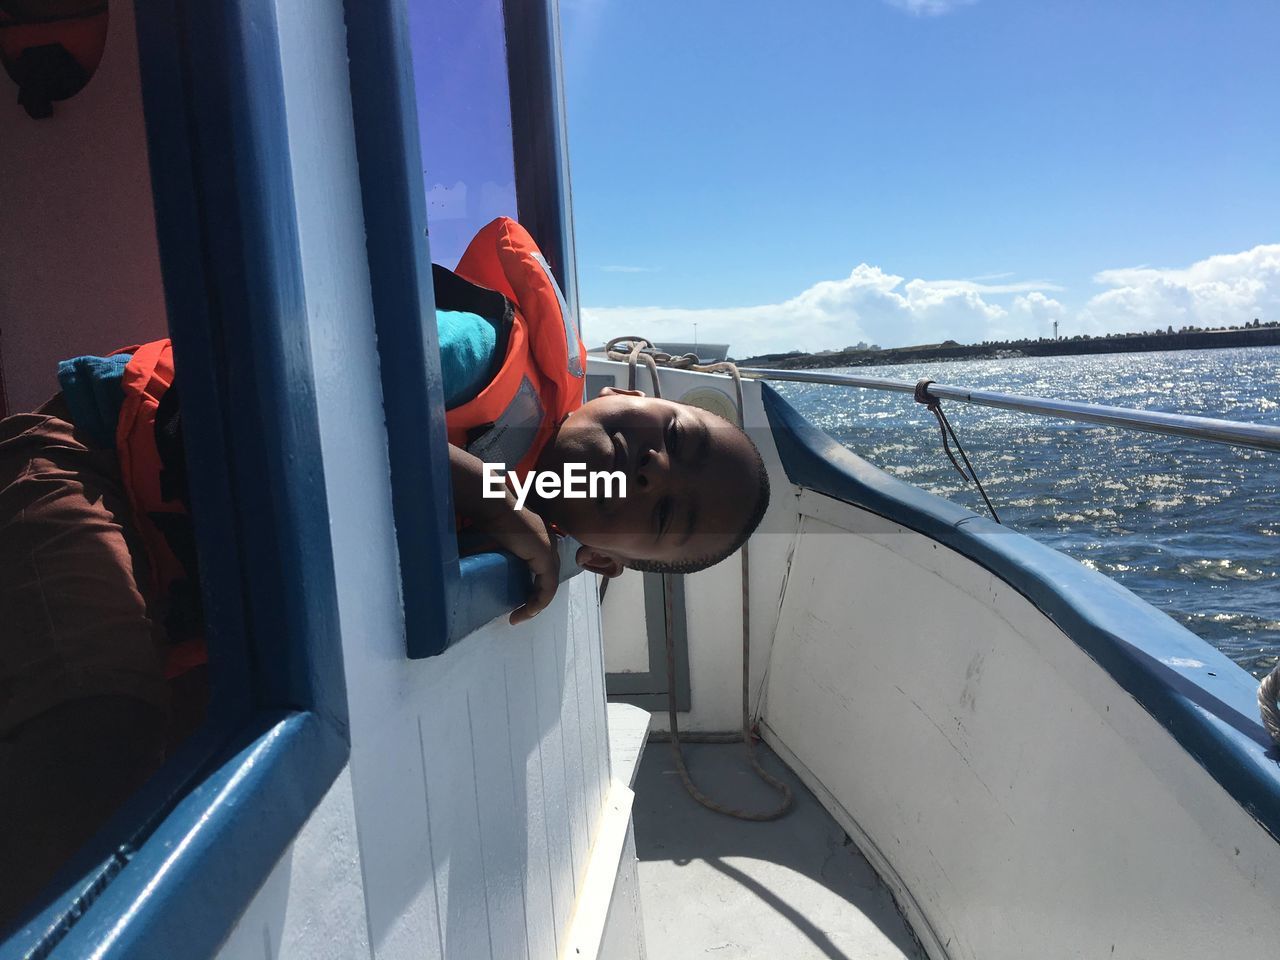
column 1189, row 526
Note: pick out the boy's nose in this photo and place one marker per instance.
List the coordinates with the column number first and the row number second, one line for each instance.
column 652, row 471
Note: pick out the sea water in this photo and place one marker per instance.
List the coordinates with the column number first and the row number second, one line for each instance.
column 1191, row 527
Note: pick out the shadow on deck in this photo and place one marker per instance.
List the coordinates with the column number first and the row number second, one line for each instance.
column 715, row 886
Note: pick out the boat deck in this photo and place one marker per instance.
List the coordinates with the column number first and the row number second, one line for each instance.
column 714, row 886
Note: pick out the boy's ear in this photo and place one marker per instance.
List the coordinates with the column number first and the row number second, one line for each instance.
column 597, row 561
column 618, row 391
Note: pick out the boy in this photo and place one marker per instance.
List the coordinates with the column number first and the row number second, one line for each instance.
column 101, row 643
column 695, row 490
column 695, row 484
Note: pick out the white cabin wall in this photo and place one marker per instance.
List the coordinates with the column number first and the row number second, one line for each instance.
column 312, row 904
column 477, row 777
column 626, row 642
column 479, row 800
column 1015, row 798
column 77, row 224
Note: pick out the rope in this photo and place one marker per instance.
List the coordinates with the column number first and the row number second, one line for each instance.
column 934, row 406
column 1268, row 694
column 634, row 353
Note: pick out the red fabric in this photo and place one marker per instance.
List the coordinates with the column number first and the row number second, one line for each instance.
column 147, row 376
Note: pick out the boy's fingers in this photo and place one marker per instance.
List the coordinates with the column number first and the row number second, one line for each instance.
column 546, row 570
column 539, row 596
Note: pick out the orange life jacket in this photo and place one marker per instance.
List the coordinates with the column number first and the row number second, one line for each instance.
column 543, row 372
column 539, row 382
column 147, row 378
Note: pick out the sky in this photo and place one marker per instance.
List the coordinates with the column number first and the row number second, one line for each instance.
column 810, row 174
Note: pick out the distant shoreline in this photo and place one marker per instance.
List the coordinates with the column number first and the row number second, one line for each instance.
column 1261, row 336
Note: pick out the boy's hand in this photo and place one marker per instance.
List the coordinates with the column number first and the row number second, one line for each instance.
column 523, row 533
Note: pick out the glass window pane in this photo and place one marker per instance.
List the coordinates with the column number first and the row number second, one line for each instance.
column 464, row 121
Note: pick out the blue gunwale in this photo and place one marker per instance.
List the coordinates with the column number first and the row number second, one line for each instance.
column 1210, row 709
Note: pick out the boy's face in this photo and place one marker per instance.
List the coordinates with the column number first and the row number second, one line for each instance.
column 691, row 480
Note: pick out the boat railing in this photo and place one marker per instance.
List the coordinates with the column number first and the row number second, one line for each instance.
column 1237, row 434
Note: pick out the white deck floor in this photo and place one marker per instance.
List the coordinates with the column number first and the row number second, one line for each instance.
column 712, row 886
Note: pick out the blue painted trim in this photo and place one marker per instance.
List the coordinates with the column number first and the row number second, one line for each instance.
column 395, row 210
column 182, row 891
column 203, row 835
column 487, row 585
column 444, row 599
column 1210, row 710
column 179, row 210
column 494, row 584
column 491, row 585
column 260, row 353
column 80, row 882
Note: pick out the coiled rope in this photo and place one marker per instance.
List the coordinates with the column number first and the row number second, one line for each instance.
column 633, row 353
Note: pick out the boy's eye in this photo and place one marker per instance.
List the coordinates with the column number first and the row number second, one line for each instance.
column 664, row 516
column 673, row 436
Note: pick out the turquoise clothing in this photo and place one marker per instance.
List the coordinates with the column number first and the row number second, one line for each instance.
column 92, row 388
column 467, row 363
column 94, row 395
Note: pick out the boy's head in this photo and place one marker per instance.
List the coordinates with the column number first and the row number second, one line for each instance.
column 696, row 486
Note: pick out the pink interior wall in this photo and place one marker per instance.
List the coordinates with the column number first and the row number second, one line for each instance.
column 79, row 268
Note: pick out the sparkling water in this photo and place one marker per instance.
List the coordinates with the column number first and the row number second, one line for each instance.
column 1191, row 527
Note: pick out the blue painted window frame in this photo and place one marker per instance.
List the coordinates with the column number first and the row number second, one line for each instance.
column 175, row 868
column 445, row 598
column 404, row 314
column 173, row 871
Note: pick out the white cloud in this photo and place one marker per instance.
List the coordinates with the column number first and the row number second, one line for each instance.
column 1217, row 291
column 869, row 304
column 929, row 8
column 874, row 305
column 1021, row 286
column 1037, row 306
column 1030, row 315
